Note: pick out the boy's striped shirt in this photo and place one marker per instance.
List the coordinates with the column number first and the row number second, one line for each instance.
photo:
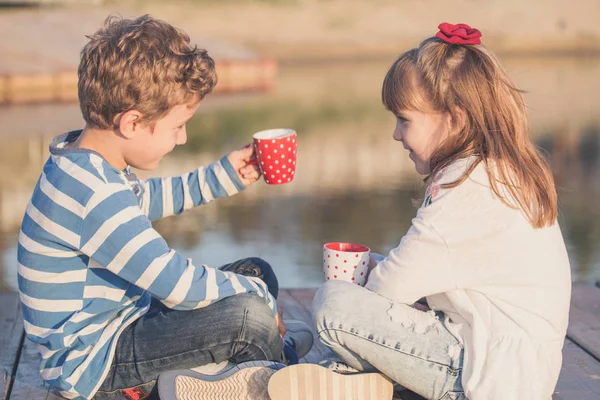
column 89, row 260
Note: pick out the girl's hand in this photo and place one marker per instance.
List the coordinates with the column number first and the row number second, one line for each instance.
column 244, row 163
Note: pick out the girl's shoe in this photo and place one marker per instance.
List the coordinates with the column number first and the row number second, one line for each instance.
column 311, row 381
column 245, row 381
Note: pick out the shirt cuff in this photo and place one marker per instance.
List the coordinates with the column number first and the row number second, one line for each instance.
column 239, row 185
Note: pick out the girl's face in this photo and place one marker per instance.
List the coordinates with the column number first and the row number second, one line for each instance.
column 421, row 134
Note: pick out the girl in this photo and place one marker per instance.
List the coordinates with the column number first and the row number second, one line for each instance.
column 484, row 249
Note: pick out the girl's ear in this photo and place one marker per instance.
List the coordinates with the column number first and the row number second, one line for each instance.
column 456, row 120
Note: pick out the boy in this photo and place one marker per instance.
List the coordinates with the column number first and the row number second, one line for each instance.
column 109, row 304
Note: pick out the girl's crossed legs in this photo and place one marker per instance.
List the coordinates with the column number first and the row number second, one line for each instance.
column 371, row 333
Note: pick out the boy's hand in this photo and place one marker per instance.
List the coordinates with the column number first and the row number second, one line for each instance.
column 244, row 163
column 280, row 324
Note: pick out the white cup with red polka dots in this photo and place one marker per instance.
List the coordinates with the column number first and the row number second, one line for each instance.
column 346, row 262
column 275, row 151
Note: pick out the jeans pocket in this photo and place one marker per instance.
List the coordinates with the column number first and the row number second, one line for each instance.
column 454, row 396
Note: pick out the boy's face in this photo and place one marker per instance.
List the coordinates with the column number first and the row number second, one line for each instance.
column 149, row 146
column 421, row 134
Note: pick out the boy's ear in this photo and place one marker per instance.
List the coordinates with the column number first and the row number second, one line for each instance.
column 130, row 123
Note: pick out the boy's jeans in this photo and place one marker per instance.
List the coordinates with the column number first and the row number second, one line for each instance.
column 372, row 333
column 238, row 328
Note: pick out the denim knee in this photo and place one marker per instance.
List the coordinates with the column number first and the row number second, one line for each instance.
column 255, row 267
column 329, row 300
column 260, row 327
column 268, row 275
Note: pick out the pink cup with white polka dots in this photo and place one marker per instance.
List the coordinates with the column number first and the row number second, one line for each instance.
column 346, row 262
column 276, row 155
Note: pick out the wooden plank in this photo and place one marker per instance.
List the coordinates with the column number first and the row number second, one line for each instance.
column 579, row 379
column 291, row 308
column 11, row 338
column 29, row 384
column 584, row 318
column 580, row 375
column 304, row 297
column 295, row 310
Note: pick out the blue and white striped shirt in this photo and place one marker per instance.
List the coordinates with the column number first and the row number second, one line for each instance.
column 89, row 259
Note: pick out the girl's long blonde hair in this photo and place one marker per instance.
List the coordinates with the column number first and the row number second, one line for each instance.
column 468, row 82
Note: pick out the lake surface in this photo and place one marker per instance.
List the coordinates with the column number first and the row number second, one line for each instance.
column 353, row 182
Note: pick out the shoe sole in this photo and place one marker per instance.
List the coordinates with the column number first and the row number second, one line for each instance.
column 313, row 382
column 249, row 383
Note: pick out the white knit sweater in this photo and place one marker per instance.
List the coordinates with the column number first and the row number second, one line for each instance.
column 505, row 285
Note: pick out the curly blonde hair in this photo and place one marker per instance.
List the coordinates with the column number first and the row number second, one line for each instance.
column 143, row 64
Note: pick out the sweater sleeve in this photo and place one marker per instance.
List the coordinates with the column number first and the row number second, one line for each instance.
column 421, row 264
column 164, row 197
column 117, row 236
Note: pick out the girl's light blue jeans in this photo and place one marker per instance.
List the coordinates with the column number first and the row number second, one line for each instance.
column 372, row 333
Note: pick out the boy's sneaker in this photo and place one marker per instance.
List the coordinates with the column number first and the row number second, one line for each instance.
column 214, row 368
column 338, row 366
column 300, row 337
column 245, row 381
column 311, row 381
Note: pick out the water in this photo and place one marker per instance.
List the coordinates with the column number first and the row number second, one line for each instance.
column 353, row 182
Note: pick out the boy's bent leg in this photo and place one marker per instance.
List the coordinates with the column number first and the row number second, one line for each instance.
column 368, row 332
column 238, row 328
column 255, row 267
column 299, row 338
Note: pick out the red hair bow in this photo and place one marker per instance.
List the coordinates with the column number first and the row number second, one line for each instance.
column 458, row 34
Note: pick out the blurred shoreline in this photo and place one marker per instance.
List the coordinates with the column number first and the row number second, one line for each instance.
column 301, row 30
column 248, row 38
column 292, row 31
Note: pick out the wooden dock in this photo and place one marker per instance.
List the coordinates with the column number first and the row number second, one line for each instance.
column 579, row 378
column 40, row 60
column 234, row 76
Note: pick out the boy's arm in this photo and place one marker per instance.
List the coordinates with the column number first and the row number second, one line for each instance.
column 117, row 236
column 164, row 197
